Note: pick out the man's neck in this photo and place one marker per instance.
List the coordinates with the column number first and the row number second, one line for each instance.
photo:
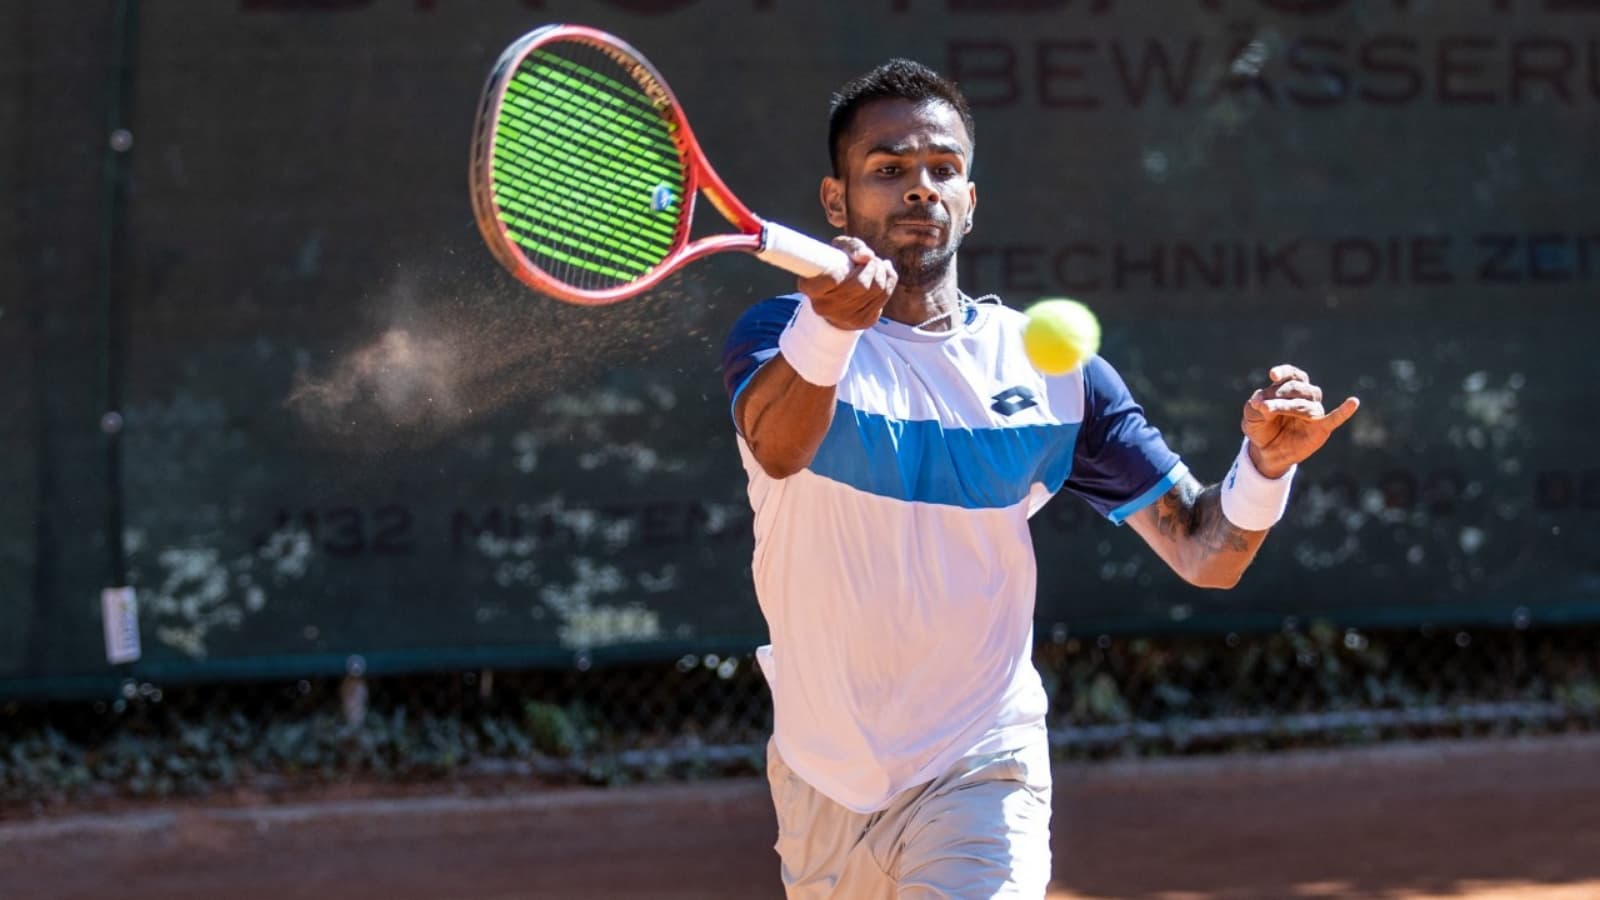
column 931, row 306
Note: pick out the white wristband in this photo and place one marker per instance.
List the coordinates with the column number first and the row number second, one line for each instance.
column 815, row 349
column 1250, row 499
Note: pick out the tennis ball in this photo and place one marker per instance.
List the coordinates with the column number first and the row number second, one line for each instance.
column 1060, row 335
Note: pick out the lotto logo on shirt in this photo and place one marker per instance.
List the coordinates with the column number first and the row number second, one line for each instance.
column 1013, row 400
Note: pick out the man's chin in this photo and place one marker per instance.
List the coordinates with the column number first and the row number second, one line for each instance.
column 922, row 265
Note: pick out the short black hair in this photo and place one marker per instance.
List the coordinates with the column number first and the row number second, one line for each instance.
column 897, row 79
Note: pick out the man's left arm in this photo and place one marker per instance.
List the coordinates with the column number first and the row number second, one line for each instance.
column 1209, row 535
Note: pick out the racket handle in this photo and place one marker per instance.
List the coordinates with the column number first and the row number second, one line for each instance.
column 807, row 257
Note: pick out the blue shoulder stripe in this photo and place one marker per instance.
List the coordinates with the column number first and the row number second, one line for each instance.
column 754, row 339
column 751, row 343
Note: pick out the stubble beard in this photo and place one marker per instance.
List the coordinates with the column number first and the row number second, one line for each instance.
column 924, row 267
column 918, row 267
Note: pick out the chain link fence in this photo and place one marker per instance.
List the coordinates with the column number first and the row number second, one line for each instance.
column 709, row 715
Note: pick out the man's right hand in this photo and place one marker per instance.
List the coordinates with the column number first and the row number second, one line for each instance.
column 856, row 302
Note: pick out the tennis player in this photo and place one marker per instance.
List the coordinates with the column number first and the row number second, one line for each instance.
column 896, row 440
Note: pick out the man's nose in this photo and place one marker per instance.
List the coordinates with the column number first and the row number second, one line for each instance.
column 922, row 189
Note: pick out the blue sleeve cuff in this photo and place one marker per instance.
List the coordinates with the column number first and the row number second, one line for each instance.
column 733, row 403
column 1173, row 476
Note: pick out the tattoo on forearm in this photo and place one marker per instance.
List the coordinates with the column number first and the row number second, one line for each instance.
column 1216, row 533
column 1174, row 511
column 1190, row 512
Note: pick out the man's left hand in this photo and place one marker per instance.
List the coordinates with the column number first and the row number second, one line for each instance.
column 1286, row 423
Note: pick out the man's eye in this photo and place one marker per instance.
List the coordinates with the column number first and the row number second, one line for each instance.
column 946, row 171
column 888, row 170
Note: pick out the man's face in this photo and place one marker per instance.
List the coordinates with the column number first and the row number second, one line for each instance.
column 903, row 186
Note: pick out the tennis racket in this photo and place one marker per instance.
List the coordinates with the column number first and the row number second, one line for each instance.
column 584, row 175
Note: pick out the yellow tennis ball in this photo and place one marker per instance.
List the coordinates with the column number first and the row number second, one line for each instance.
column 1060, row 335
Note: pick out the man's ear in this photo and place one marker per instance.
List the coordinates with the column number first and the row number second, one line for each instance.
column 972, row 206
column 832, row 195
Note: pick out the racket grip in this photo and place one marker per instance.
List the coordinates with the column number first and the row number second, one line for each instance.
column 807, row 257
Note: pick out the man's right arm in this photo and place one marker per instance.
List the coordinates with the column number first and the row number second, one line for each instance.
column 783, row 418
column 784, row 414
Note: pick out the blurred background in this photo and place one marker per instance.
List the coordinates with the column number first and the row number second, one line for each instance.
column 380, row 513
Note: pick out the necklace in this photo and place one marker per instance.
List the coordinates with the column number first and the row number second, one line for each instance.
column 962, row 305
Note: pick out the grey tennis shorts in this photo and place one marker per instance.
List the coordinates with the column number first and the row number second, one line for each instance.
column 981, row 830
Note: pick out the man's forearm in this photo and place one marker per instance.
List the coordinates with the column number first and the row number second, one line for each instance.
column 1187, row 529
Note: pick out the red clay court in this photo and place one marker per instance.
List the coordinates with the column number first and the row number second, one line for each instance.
column 1485, row 819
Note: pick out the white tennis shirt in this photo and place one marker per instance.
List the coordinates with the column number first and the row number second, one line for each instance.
column 896, row 572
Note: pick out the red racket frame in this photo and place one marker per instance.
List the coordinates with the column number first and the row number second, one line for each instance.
column 699, row 176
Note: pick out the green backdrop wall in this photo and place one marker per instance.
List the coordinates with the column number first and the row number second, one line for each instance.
column 344, row 432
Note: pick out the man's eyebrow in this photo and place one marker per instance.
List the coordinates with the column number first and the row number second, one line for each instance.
column 906, row 148
column 901, row 149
